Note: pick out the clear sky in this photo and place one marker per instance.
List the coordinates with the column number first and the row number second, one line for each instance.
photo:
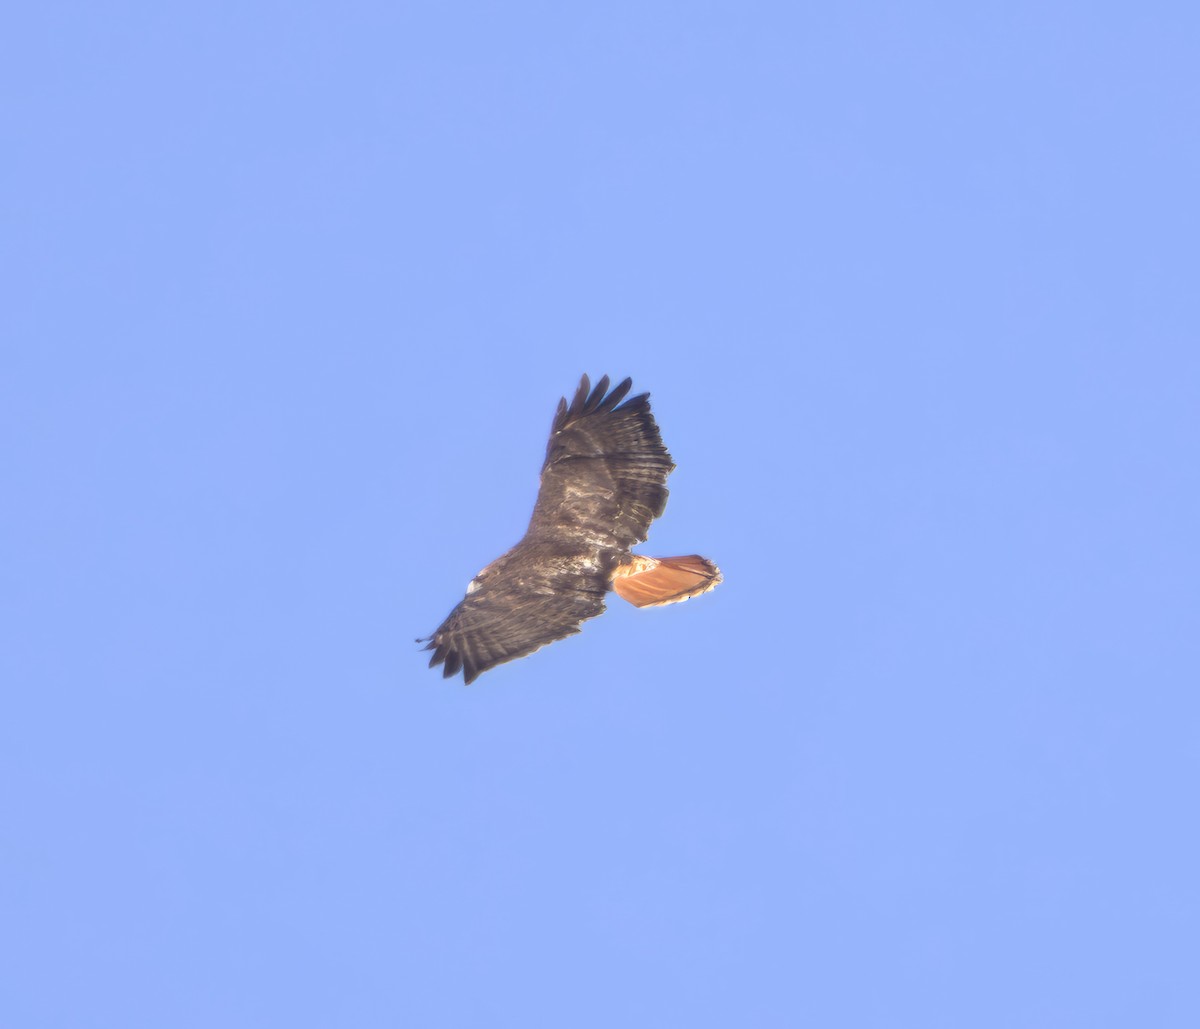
column 290, row 293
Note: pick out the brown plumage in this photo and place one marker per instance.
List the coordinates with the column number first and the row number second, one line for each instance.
column 603, row 483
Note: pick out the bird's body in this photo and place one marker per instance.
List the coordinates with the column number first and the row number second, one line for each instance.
column 603, row 482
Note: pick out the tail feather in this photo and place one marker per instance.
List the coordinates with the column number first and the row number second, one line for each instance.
column 652, row 581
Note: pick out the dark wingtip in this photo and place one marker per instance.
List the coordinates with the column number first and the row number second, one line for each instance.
column 568, row 411
column 597, row 394
column 596, row 399
column 617, row 395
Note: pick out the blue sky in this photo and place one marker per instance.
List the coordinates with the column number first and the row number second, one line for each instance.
column 290, row 293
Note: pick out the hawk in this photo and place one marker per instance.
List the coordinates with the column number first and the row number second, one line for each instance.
column 603, row 483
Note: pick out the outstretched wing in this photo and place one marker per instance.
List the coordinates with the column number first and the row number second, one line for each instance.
column 604, row 479
column 509, row 614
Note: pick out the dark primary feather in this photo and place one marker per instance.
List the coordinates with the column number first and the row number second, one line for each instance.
column 603, row 483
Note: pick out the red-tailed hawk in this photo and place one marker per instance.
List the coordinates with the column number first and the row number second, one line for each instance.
column 603, row 483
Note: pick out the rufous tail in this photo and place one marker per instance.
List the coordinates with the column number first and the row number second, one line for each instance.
column 651, row 581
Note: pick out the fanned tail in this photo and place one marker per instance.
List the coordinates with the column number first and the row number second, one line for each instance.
column 653, row 581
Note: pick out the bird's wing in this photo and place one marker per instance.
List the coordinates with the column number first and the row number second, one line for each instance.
column 513, row 611
column 604, row 478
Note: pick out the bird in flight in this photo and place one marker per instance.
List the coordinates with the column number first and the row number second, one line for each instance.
column 603, row 483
